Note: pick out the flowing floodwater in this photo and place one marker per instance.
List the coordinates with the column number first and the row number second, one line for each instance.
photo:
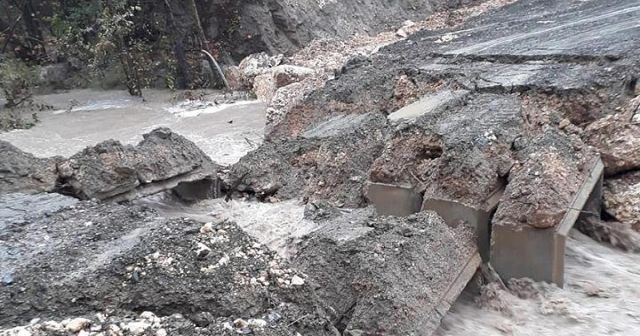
column 602, row 291
column 81, row 118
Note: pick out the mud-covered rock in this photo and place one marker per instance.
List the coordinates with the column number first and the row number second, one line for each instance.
column 618, row 234
column 542, row 186
column 387, row 275
column 111, row 170
column 256, row 65
column 622, row 198
column 23, row 172
column 264, row 87
column 617, row 139
column 117, row 259
column 286, row 74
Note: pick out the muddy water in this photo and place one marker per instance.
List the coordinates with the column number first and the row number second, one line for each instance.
column 81, row 118
column 601, row 297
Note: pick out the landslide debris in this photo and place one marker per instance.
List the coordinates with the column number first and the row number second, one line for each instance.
column 386, row 275
column 119, row 260
column 329, row 162
column 23, row 172
column 163, row 160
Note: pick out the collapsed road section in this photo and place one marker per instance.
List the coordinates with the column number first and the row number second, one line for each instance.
column 479, row 145
column 500, row 123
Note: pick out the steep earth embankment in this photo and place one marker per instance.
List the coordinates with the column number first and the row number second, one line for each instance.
column 280, row 26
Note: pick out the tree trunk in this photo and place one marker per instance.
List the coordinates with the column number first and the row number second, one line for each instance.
column 182, row 70
column 204, row 44
column 128, row 65
column 33, row 35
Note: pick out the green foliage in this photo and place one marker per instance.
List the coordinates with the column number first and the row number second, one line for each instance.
column 16, row 81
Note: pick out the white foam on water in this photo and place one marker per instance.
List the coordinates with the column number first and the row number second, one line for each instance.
column 98, row 106
column 194, row 108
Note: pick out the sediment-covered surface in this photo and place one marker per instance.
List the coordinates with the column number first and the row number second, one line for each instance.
column 386, row 275
column 455, row 113
column 121, row 260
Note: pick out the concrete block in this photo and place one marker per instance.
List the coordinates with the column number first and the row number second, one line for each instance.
column 525, row 251
column 455, row 213
column 394, row 200
column 427, row 104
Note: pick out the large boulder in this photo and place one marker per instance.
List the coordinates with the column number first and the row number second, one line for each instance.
column 617, row 137
column 286, row 74
column 113, row 171
column 23, row 172
column 257, row 64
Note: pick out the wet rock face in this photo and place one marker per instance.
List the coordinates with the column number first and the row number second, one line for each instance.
column 111, row 170
column 108, row 258
column 385, row 276
column 23, row 172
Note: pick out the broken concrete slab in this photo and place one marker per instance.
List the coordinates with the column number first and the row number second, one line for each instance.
column 427, row 104
column 23, row 172
column 393, row 200
column 388, row 275
column 329, row 165
column 594, row 28
column 537, row 252
column 455, row 213
column 112, row 171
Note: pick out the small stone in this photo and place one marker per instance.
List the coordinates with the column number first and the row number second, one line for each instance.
column 136, row 328
column 101, row 317
column 240, row 324
column 147, row 315
column 161, row 332
column 7, row 279
column 274, row 317
column 53, row 326
column 257, row 323
column 564, row 123
column 77, row 324
column 17, row 331
column 114, row 330
column 297, row 281
column 207, row 228
column 202, row 250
